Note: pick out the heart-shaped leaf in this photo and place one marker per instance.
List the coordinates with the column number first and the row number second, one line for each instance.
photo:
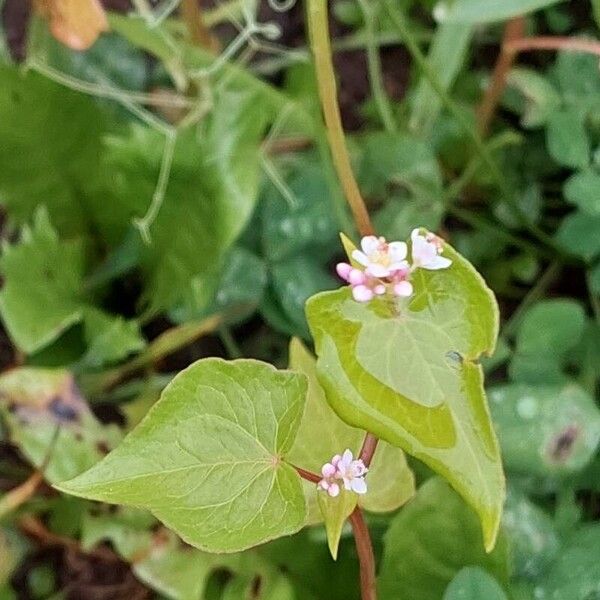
column 409, row 373
column 208, row 458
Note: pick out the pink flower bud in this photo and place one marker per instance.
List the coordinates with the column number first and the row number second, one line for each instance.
column 361, row 293
column 343, row 270
column 356, row 277
column 404, row 289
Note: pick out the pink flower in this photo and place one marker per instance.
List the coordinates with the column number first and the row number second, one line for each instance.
column 426, row 252
column 343, row 469
column 379, row 258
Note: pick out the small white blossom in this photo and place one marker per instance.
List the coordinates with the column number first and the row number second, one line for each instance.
column 346, row 470
column 379, row 258
column 426, row 252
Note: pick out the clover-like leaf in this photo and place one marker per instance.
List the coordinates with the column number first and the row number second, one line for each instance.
column 409, row 373
column 430, row 541
column 208, row 458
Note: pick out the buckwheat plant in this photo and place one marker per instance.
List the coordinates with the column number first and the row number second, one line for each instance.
column 237, row 453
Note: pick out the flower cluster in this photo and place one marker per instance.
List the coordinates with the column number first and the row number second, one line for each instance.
column 346, row 471
column 385, row 268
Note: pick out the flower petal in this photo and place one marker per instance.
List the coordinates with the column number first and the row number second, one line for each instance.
column 347, row 458
column 369, row 244
column 397, row 251
column 356, row 277
column 377, row 270
column 328, row 470
column 437, row 263
column 360, row 257
column 359, row 485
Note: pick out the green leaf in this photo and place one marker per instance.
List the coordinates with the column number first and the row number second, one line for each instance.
column 473, row 583
column 302, row 219
column 239, row 292
column 43, row 278
column 431, row 540
column 549, row 331
column 578, row 234
column 13, row 547
column 567, row 139
column 294, row 281
column 583, row 190
column 50, row 149
column 545, row 430
column 541, row 97
column 487, row 11
column 596, row 9
column 110, row 338
column 576, row 573
column 532, row 535
column 50, row 422
column 207, row 202
column 335, row 511
column 447, row 56
column 322, row 435
column 409, row 374
column 208, row 458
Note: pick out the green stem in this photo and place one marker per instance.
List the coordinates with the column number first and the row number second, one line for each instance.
column 231, row 346
column 399, row 20
column 374, row 65
column 321, row 48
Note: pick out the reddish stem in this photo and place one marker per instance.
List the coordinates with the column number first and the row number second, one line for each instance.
column 553, row 43
column 368, row 449
column 366, row 558
column 514, row 30
column 308, row 475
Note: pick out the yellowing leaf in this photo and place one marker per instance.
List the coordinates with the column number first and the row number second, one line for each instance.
column 75, row 23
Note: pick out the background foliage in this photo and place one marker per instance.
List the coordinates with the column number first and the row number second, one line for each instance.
column 165, row 201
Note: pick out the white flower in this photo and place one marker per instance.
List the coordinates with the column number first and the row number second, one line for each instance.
column 379, row 258
column 426, row 252
column 346, row 470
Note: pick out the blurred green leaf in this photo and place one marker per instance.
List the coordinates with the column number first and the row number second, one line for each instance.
column 576, row 573
column 578, row 235
column 583, row 190
column 301, row 220
column 13, row 547
column 486, row 11
column 447, row 56
column 398, row 160
column 596, row 9
column 422, row 389
column 541, row 99
column 548, row 332
column 567, row 138
column 49, row 421
column 214, row 446
column 545, row 430
column 51, row 145
column 473, row 583
column 322, row 434
column 43, row 278
column 207, row 201
column 110, row 338
column 532, row 535
column 293, row 282
column 430, row 541
column 240, row 290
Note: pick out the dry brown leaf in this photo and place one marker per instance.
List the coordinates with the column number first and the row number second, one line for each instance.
column 75, row 23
